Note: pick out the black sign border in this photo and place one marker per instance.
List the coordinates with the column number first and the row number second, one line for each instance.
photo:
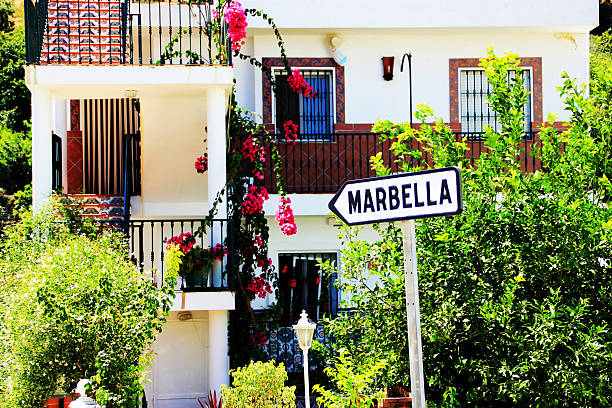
column 332, row 202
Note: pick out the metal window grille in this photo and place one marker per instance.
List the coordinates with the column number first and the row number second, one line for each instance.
column 316, row 298
column 314, row 116
column 476, row 113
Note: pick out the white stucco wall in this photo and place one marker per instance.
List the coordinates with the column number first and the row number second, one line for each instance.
column 179, row 372
column 369, row 97
column 316, row 234
column 431, row 13
column 172, row 137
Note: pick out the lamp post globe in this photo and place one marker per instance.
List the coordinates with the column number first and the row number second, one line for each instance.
column 304, row 330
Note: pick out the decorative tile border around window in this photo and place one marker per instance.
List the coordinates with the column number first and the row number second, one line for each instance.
column 454, row 64
column 303, row 63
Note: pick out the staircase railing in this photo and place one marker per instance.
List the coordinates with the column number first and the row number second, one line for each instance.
column 130, row 152
column 35, row 23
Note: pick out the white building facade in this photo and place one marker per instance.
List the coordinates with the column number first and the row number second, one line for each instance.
column 90, row 97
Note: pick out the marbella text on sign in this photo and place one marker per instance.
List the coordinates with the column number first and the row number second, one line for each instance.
column 402, row 196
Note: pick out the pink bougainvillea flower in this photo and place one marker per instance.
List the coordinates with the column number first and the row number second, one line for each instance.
column 201, row 164
column 252, row 151
column 291, row 132
column 253, row 203
column 298, row 84
column 217, row 252
column 259, row 287
column 258, row 338
column 284, row 216
column 318, row 280
column 262, row 262
column 184, row 241
column 235, row 17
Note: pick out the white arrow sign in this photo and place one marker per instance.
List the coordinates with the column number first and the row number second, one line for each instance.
column 427, row 193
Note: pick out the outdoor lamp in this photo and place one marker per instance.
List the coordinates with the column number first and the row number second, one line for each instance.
column 304, row 330
column 388, row 68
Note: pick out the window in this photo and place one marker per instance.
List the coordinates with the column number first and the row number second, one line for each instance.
column 302, row 286
column 314, row 116
column 475, row 112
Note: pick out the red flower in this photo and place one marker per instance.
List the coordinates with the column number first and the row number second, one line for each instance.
column 185, row 242
column 318, row 280
column 262, row 262
column 259, row 287
column 201, row 164
column 284, row 269
column 258, row 338
column 291, row 130
column 284, row 216
column 217, row 252
column 252, row 151
column 299, row 84
column 235, row 17
column 254, row 200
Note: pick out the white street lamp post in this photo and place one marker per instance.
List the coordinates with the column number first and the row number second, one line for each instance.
column 304, row 330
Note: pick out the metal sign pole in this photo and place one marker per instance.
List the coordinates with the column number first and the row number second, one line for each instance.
column 417, row 378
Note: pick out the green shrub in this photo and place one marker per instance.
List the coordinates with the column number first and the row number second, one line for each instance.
column 72, row 306
column 15, row 160
column 14, row 95
column 353, row 382
column 6, row 14
column 516, row 291
column 259, row 385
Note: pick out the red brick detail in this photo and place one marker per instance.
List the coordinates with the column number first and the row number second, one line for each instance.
column 74, row 161
column 75, row 115
column 455, row 126
column 454, row 64
column 343, row 127
column 557, row 125
column 363, row 127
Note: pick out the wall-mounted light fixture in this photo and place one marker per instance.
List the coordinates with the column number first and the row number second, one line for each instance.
column 388, row 68
column 336, row 41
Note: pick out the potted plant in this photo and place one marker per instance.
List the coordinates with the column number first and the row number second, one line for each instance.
column 195, row 267
column 292, row 278
column 397, row 396
column 324, row 301
column 197, row 261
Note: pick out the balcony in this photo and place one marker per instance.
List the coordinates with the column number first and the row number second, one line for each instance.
column 146, row 239
column 320, row 164
column 122, row 32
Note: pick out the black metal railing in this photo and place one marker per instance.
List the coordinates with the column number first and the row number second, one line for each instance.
column 322, row 163
column 124, row 32
column 147, row 245
column 281, row 342
column 131, row 171
column 56, row 162
column 282, row 346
